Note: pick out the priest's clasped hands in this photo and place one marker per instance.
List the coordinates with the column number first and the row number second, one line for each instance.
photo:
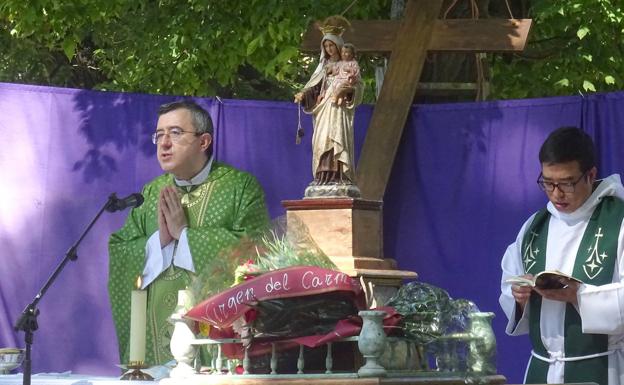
column 171, row 217
column 566, row 294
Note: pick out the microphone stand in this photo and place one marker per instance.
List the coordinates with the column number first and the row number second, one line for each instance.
column 28, row 320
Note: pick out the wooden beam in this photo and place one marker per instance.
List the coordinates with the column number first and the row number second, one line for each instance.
column 366, row 35
column 395, row 99
column 456, row 35
column 484, row 35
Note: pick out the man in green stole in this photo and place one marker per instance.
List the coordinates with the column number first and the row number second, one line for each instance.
column 197, row 209
column 577, row 332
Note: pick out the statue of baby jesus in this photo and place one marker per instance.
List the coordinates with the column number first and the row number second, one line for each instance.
column 346, row 74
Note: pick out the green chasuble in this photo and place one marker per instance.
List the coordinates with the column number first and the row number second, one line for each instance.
column 226, row 207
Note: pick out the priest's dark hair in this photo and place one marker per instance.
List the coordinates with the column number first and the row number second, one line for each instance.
column 201, row 118
column 567, row 144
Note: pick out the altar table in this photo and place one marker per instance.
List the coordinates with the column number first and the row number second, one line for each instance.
column 68, row 379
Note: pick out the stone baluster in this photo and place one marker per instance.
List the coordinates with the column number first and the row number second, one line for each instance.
column 246, row 362
column 329, row 361
column 219, row 360
column 300, row 362
column 273, row 359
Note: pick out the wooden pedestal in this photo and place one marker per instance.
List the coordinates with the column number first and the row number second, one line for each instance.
column 350, row 232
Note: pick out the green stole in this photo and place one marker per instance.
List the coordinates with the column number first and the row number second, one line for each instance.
column 163, row 291
column 594, row 264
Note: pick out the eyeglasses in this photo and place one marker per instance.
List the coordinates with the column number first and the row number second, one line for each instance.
column 564, row 187
column 174, row 134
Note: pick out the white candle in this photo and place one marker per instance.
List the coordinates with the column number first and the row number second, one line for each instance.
column 138, row 316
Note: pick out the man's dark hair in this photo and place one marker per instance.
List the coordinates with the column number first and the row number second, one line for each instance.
column 567, row 144
column 201, row 119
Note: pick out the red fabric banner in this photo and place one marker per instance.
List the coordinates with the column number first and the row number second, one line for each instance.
column 224, row 308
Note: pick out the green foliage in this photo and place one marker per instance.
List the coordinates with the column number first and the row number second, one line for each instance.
column 281, row 251
column 193, row 47
column 250, row 49
column 574, row 46
column 274, row 249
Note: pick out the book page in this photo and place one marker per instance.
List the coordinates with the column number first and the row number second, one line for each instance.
column 520, row 281
column 553, row 280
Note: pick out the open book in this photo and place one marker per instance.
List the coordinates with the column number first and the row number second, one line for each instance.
column 550, row 279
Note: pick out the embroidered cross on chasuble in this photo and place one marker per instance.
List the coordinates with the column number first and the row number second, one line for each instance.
column 594, row 264
column 228, row 206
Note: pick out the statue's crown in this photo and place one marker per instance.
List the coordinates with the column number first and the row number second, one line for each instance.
column 335, row 25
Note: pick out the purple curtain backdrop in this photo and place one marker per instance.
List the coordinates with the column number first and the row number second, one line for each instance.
column 462, row 184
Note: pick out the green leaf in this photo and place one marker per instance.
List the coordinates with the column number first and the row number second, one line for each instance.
column 609, row 79
column 287, row 53
column 563, row 83
column 253, row 45
column 588, row 86
column 69, row 47
column 582, row 32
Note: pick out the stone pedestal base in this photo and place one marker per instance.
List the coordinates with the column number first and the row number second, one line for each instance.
column 332, row 191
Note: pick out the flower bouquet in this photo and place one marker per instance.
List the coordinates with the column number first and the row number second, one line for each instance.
column 275, row 289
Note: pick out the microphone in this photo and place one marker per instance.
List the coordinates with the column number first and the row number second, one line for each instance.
column 118, row 204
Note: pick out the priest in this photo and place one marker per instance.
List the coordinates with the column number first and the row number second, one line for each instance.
column 192, row 213
column 577, row 330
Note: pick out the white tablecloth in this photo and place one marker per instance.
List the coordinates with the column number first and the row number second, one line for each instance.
column 67, row 379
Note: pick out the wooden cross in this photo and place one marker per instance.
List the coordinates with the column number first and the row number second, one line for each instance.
column 409, row 41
